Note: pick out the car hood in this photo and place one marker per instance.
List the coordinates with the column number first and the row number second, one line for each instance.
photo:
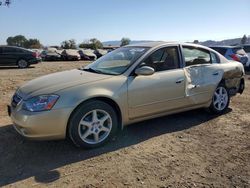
column 57, row 81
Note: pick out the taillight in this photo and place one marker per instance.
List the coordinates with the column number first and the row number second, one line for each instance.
column 235, row 57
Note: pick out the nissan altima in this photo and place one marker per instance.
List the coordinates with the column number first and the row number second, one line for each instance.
column 130, row 84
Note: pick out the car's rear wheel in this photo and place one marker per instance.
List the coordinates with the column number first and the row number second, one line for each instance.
column 22, row 63
column 220, row 101
column 92, row 124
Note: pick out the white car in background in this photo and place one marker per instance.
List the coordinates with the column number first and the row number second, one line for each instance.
column 246, row 47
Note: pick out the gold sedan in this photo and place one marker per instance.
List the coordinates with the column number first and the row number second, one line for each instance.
column 130, row 84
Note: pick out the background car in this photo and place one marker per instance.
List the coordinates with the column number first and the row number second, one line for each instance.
column 87, row 54
column 70, row 55
column 235, row 53
column 246, row 47
column 16, row 56
column 51, row 55
column 100, row 52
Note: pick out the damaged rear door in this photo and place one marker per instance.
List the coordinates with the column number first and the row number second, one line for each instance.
column 202, row 72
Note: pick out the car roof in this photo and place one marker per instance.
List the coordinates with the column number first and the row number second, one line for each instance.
column 162, row 43
column 225, row 47
column 13, row 47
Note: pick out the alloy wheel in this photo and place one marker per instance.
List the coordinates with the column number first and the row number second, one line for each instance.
column 95, row 126
column 220, row 98
column 22, row 63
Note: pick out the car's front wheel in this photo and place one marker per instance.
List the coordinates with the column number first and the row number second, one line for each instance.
column 220, row 100
column 22, row 63
column 92, row 124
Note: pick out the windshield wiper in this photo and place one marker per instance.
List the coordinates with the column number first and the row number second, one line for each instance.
column 92, row 70
column 96, row 71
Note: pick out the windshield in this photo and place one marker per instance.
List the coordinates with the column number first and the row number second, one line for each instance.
column 117, row 61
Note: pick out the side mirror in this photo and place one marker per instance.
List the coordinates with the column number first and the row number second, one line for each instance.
column 145, row 71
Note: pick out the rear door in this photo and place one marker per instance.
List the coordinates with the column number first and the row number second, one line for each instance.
column 202, row 74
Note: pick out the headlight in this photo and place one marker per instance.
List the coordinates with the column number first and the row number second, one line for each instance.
column 40, row 103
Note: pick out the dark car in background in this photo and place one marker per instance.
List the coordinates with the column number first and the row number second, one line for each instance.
column 235, row 53
column 16, row 56
column 51, row 56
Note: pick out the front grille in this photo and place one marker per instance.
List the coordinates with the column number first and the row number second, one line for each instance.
column 16, row 99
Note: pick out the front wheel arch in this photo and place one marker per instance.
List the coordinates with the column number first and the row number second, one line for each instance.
column 103, row 99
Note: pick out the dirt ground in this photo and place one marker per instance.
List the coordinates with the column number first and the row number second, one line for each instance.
column 191, row 149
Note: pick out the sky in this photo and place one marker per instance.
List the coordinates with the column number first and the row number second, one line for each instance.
column 52, row 21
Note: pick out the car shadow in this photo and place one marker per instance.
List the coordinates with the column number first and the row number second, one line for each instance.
column 9, row 67
column 21, row 159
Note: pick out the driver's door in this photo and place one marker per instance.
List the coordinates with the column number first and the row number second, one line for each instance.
column 161, row 91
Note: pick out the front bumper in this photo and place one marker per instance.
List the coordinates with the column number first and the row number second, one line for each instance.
column 46, row 125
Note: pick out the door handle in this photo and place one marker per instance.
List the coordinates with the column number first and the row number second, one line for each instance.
column 216, row 74
column 179, row 80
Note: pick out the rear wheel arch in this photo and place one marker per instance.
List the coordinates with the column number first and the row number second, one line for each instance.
column 222, row 82
column 21, row 58
column 102, row 99
column 242, row 86
column 220, row 100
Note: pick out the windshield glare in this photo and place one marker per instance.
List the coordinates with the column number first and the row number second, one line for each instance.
column 117, row 61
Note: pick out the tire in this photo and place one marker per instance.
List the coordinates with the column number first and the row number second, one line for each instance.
column 220, row 100
column 21, row 63
column 92, row 124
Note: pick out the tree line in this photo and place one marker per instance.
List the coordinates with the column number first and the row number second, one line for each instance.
column 22, row 41
column 93, row 43
column 242, row 41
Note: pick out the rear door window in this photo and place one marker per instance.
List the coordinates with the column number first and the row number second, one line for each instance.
column 196, row 56
column 12, row 50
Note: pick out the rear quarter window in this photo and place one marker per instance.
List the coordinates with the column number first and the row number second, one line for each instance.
column 7, row 49
column 19, row 50
column 13, row 50
column 214, row 58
